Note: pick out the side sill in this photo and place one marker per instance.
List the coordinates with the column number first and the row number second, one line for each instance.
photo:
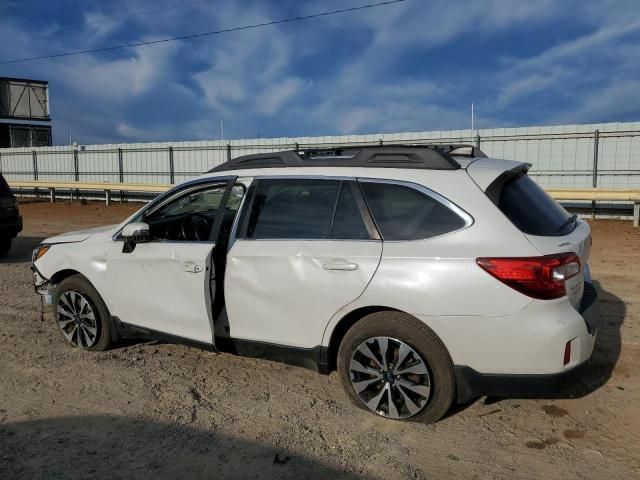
column 310, row 358
column 127, row 330
column 471, row 384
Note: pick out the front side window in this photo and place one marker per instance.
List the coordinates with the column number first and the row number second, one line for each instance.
column 191, row 216
column 405, row 213
column 200, row 201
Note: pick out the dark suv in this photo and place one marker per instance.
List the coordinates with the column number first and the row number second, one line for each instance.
column 10, row 219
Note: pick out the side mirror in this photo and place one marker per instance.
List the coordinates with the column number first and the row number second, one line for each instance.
column 134, row 233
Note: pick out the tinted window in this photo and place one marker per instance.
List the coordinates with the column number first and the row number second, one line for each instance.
column 533, row 211
column 404, row 213
column 348, row 223
column 4, row 187
column 291, row 209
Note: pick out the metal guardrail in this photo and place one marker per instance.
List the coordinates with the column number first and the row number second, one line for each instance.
column 107, row 188
column 578, row 194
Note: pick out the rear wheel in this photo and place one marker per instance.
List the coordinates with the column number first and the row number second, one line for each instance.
column 392, row 364
column 81, row 315
column 5, row 245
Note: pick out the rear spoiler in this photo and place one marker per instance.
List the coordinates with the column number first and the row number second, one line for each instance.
column 491, row 175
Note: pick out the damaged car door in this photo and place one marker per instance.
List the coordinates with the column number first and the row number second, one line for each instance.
column 161, row 268
column 305, row 248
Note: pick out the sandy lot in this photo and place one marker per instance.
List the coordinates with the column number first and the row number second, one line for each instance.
column 152, row 410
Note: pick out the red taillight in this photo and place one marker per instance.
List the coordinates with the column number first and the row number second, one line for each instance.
column 537, row 277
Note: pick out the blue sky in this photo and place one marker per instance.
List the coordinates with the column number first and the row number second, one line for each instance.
column 412, row 66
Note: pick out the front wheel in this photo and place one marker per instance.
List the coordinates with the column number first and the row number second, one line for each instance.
column 395, row 366
column 81, row 315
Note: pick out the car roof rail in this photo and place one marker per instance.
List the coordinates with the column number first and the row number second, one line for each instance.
column 419, row 156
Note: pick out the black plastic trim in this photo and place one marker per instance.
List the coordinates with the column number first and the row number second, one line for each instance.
column 471, row 384
column 127, row 330
column 588, row 309
column 315, row 358
column 302, row 357
column 433, row 157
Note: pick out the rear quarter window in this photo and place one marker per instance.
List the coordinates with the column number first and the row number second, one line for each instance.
column 532, row 210
column 405, row 213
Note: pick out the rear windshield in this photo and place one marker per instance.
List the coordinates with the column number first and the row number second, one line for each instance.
column 533, row 211
column 4, row 188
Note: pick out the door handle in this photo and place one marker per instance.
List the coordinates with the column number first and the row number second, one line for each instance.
column 191, row 267
column 347, row 267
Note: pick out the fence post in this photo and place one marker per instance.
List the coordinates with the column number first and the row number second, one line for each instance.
column 228, row 152
column 380, row 141
column 76, row 170
column 121, row 173
column 172, row 175
column 34, row 156
column 478, row 141
column 297, row 146
column 594, row 179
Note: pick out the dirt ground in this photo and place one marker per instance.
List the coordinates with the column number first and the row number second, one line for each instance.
column 152, row 410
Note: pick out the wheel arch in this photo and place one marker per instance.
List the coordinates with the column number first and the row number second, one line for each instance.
column 60, row 275
column 341, row 328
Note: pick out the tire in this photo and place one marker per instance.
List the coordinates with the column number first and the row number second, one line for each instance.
column 5, row 245
column 421, row 387
column 77, row 304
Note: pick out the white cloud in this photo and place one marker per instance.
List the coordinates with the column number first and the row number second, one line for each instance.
column 121, row 79
column 275, row 95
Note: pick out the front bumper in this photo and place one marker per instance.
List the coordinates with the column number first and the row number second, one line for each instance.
column 42, row 285
column 472, row 384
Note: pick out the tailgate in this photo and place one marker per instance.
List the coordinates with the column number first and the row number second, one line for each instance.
column 543, row 221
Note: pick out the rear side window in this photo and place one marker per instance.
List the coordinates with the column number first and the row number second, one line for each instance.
column 533, row 211
column 293, row 209
column 348, row 223
column 404, row 213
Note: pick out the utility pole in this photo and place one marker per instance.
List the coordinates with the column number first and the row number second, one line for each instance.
column 472, row 124
column 221, row 130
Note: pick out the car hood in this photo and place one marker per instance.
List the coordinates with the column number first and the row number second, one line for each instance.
column 80, row 235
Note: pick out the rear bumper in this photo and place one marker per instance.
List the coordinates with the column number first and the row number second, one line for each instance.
column 11, row 228
column 472, row 384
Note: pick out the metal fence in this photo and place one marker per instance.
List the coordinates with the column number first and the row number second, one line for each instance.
column 603, row 155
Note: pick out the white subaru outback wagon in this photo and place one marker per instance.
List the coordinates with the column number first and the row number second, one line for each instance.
column 422, row 274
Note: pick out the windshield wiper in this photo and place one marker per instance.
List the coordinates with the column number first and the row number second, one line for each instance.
column 568, row 221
